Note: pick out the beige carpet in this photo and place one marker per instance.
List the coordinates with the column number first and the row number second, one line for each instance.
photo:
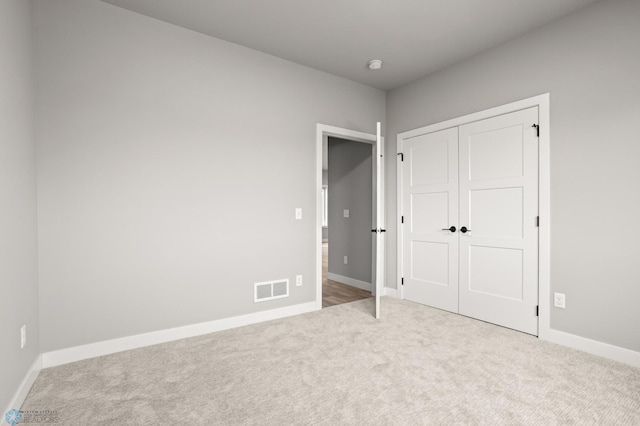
column 340, row 366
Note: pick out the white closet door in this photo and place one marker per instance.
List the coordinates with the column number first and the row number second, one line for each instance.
column 430, row 198
column 498, row 174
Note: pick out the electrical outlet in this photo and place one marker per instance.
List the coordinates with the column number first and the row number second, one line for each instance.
column 298, row 280
column 346, row 260
column 559, row 300
column 23, row 336
column 345, row 212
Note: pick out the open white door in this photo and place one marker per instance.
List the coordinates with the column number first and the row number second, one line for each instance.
column 379, row 230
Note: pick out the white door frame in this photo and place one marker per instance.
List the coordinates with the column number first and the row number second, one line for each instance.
column 544, row 194
column 324, row 131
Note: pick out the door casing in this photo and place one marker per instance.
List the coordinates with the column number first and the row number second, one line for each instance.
column 544, row 193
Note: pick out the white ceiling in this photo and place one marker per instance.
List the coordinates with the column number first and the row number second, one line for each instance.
column 412, row 37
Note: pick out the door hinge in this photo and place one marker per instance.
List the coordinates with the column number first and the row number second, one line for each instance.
column 401, row 156
column 402, row 219
column 537, row 129
column 402, row 281
column 537, row 310
column 537, row 220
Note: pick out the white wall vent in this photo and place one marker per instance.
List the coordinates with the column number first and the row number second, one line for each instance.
column 270, row 290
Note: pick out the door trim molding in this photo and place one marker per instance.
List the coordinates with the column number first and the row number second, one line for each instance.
column 544, row 194
column 324, row 131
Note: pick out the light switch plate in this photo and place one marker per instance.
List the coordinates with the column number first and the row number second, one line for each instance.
column 298, row 213
column 346, row 212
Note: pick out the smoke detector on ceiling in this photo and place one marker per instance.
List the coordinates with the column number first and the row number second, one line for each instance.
column 374, row 64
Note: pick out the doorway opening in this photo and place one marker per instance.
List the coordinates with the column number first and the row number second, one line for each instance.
column 347, row 218
column 358, row 287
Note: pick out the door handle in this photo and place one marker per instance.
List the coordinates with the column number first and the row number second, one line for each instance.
column 464, row 230
column 452, row 229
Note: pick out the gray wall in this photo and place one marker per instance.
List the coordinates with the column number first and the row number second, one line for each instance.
column 350, row 183
column 590, row 63
column 170, row 165
column 18, row 253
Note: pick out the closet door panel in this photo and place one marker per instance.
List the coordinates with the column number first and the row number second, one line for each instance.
column 430, row 208
column 498, row 254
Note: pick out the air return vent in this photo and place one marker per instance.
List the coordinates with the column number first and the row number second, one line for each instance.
column 270, row 290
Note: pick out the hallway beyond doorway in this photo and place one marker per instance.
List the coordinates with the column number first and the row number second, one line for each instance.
column 335, row 293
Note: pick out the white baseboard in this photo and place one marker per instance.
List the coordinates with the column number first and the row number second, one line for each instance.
column 25, row 386
column 391, row 292
column 362, row 285
column 92, row 350
column 593, row 347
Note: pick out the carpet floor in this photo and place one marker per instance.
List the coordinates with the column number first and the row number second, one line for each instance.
column 340, row 366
